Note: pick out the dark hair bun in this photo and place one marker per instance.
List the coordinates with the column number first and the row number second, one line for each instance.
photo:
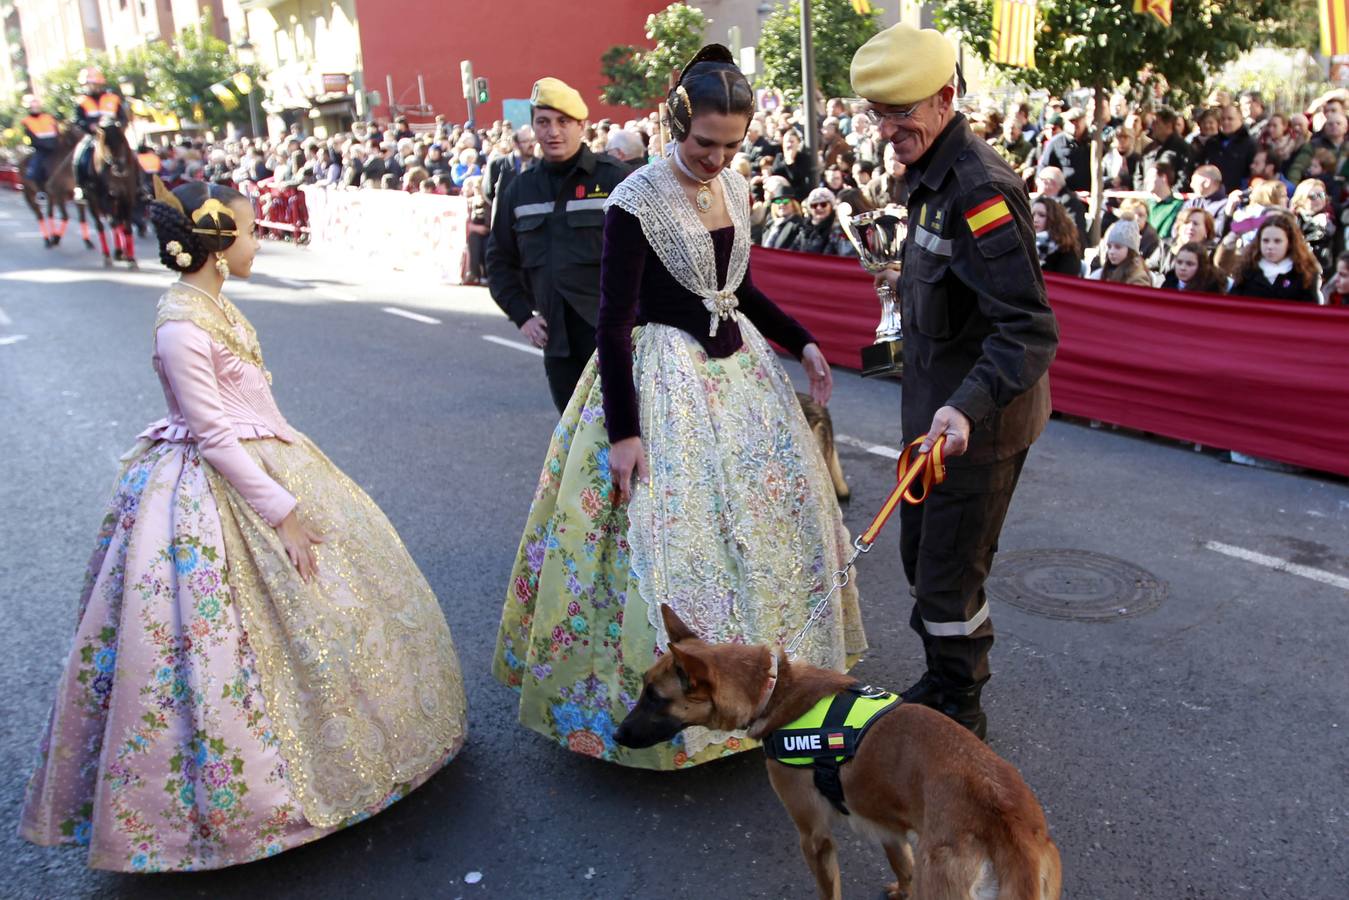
column 711, row 82
column 172, row 227
column 712, row 53
column 177, row 227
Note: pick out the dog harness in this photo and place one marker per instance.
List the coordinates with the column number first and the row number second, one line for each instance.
column 828, row 735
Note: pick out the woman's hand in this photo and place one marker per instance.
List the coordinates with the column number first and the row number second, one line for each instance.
column 299, row 542
column 626, row 458
column 817, row 370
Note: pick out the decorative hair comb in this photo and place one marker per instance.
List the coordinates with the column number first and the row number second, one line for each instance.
column 217, row 211
column 166, row 196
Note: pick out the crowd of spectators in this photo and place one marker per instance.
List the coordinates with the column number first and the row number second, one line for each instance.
column 1227, row 197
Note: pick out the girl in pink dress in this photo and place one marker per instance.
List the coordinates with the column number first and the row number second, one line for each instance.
column 258, row 662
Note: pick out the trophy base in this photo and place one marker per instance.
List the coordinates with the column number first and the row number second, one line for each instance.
column 885, row 359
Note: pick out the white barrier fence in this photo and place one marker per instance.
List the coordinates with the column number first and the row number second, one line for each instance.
column 419, row 233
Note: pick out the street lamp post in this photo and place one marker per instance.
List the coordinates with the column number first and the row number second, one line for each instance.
column 247, row 57
column 812, row 129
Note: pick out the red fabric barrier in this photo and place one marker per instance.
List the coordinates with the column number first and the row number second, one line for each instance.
column 832, row 296
column 1266, row 378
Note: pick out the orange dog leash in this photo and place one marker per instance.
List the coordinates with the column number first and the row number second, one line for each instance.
column 925, row 469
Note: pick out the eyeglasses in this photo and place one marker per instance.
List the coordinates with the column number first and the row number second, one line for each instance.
column 876, row 118
column 1317, row 196
column 824, row 205
column 781, row 200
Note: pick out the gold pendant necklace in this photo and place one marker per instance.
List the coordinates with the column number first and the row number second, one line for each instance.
column 703, row 199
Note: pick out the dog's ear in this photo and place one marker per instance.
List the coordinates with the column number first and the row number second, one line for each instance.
column 674, row 626
column 695, row 676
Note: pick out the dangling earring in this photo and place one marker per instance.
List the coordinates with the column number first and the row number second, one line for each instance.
column 222, row 266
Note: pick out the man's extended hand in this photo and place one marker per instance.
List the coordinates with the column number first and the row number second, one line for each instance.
column 536, row 331
column 955, row 425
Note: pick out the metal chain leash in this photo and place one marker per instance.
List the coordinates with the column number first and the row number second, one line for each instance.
column 841, row 579
column 931, row 469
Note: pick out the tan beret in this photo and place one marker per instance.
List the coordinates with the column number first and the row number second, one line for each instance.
column 556, row 94
column 902, row 65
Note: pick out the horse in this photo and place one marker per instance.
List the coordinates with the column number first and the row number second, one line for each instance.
column 112, row 190
column 57, row 187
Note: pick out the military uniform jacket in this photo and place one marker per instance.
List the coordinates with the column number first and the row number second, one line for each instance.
column 544, row 250
column 978, row 331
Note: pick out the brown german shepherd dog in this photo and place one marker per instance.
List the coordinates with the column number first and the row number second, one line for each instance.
column 822, row 426
column 956, row 820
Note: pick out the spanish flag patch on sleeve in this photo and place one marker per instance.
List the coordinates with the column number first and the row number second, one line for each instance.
column 985, row 217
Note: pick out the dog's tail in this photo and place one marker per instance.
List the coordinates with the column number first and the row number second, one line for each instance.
column 1031, row 873
column 1051, row 873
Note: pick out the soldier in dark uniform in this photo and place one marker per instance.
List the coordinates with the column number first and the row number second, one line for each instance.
column 978, row 339
column 543, row 256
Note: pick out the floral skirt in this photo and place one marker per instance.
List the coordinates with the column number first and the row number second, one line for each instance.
column 738, row 530
column 214, row 708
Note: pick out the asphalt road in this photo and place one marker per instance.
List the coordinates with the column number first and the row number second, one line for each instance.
column 1195, row 751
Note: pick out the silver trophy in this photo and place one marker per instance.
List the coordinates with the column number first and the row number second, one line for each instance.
column 878, row 237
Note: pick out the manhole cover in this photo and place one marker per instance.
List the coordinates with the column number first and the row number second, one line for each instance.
column 1074, row 584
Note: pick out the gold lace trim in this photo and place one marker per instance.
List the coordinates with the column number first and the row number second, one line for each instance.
column 358, row 670
column 180, row 304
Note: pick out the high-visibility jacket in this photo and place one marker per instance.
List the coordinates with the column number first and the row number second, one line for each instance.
column 41, row 125
column 90, row 108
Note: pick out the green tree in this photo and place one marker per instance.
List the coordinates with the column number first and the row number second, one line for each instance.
column 181, row 76
column 61, row 85
column 175, row 77
column 838, row 30
column 640, row 78
column 625, row 79
column 1106, row 46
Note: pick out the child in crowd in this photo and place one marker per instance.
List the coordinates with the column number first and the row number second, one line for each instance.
column 1193, row 270
column 1123, row 263
column 1193, row 225
column 1336, row 292
column 1278, row 265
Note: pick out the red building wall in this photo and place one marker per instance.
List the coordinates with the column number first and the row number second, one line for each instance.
column 512, row 44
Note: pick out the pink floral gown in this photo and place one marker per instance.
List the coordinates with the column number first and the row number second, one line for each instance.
column 214, row 708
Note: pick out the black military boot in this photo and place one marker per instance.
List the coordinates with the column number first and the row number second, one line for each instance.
column 961, row 705
column 926, row 691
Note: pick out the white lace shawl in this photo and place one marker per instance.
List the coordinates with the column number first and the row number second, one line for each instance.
column 671, row 225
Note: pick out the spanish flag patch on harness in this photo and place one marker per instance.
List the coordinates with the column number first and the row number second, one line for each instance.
column 828, row 735
column 990, row 214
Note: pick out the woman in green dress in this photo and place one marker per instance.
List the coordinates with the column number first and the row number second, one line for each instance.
column 683, row 470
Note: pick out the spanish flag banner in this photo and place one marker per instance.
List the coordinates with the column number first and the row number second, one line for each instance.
column 1334, row 27
column 1158, row 9
column 1014, row 33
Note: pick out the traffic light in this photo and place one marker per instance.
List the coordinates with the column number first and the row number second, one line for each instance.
column 466, row 76
column 480, row 88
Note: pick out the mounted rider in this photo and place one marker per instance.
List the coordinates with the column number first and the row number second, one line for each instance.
column 43, row 131
column 91, row 107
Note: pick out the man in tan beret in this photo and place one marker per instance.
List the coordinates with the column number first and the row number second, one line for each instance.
column 543, row 256
column 978, row 340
